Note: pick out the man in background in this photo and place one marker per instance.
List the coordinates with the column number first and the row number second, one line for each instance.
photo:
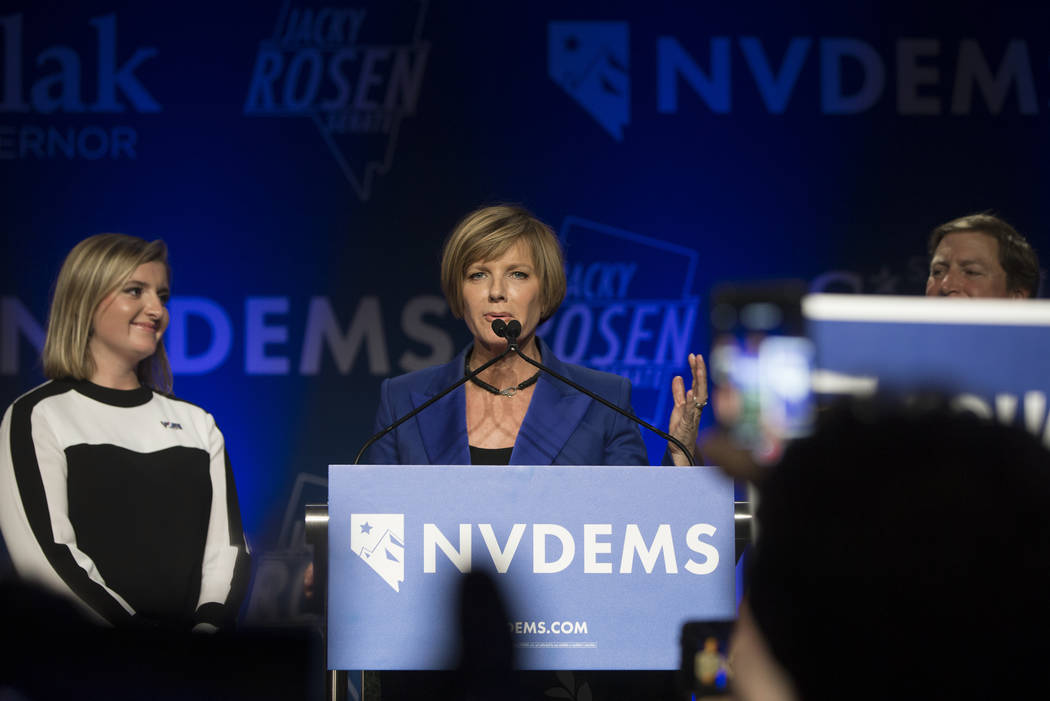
column 981, row 256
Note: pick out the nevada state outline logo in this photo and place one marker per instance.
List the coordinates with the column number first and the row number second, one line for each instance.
column 379, row 540
column 354, row 72
column 589, row 60
column 629, row 309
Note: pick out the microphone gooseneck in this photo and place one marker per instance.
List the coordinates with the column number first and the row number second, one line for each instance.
column 466, row 378
column 512, row 344
column 511, row 331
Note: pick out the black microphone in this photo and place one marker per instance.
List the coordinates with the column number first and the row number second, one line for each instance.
column 511, row 333
column 514, row 329
column 499, row 327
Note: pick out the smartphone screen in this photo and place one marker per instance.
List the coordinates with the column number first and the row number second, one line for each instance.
column 760, row 365
column 705, row 670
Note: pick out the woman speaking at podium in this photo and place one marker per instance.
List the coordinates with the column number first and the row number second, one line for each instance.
column 502, row 263
column 113, row 492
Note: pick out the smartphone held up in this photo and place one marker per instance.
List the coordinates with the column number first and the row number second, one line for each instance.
column 761, row 363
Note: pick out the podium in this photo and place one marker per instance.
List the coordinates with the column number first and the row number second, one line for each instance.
column 599, row 567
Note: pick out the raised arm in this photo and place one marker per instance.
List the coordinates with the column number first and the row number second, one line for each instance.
column 685, row 415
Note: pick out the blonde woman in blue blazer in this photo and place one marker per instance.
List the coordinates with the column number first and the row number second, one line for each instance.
column 501, row 262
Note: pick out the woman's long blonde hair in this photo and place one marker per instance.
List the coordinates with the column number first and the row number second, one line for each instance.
column 95, row 267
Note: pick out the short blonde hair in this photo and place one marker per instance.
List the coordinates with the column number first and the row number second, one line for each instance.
column 95, row 267
column 487, row 233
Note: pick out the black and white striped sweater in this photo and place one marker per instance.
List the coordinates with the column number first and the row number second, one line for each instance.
column 123, row 500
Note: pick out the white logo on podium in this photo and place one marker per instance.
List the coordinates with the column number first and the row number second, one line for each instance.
column 379, row 540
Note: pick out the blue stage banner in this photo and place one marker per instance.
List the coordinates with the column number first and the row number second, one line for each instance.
column 599, row 566
column 989, row 356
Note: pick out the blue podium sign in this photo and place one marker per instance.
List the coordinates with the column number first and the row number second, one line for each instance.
column 992, row 357
column 599, row 566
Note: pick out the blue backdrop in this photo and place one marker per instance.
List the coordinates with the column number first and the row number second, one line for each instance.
column 304, row 162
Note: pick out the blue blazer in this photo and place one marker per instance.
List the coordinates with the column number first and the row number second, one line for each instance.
column 561, row 427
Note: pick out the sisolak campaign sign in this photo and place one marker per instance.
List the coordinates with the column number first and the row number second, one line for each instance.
column 598, row 566
column 989, row 356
